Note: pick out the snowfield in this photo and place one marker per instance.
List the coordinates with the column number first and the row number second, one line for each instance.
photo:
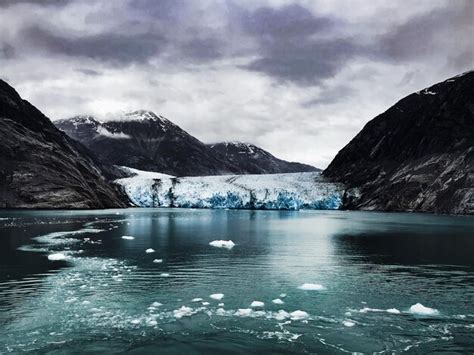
column 276, row 191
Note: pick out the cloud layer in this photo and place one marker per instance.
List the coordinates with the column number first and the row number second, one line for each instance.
column 299, row 78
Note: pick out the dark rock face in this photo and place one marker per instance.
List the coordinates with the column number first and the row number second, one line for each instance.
column 146, row 141
column 40, row 167
column 254, row 160
column 416, row 156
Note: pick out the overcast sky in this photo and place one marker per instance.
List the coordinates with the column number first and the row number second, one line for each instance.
column 298, row 78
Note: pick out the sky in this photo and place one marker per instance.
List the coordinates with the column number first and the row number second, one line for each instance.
column 298, row 78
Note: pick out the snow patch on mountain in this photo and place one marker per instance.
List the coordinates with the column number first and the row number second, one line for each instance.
column 292, row 191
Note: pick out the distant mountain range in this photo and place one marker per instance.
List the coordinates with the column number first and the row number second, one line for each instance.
column 40, row 167
column 146, row 141
column 416, row 156
column 254, row 160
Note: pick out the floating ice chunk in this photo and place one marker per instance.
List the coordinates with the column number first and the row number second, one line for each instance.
column 149, row 251
column 156, row 304
column 158, row 261
column 311, row 287
column 393, row 311
column 196, row 299
column 348, row 323
column 243, row 312
column 221, row 304
column 86, row 302
column 278, row 301
column 128, row 237
column 256, row 304
column 228, row 244
column 152, row 323
column 299, row 315
column 56, row 257
column 423, row 311
column 220, row 312
column 217, row 296
column 205, row 303
column 135, row 321
column 71, row 300
column 282, row 295
column 164, row 274
column 282, row 315
column 183, row 312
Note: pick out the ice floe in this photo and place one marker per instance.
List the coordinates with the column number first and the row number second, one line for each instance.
column 56, row 257
column 158, row 261
column 311, row 287
column 299, row 315
column 257, row 304
column 149, row 251
column 393, row 311
column 217, row 296
column 243, row 312
column 348, row 323
column 128, row 237
column 278, row 301
column 156, row 304
column 184, row 311
column 196, row 299
column 419, row 309
column 228, row 244
column 164, row 274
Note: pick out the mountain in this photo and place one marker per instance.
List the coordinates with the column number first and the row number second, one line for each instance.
column 254, row 160
column 416, row 156
column 146, row 141
column 40, row 167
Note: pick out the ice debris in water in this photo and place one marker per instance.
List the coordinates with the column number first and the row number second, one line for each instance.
column 149, row 251
column 256, row 304
column 164, row 274
column 228, row 244
column 128, row 237
column 278, row 301
column 221, row 304
column 311, row 287
column 393, row 311
column 217, row 296
column 243, row 312
column 419, row 309
column 158, row 261
column 205, row 303
column 196, row 299
column 282, row 315
column 282, row 295
column 299, row 315
column 56, row 257
column 183, row 312
column 348, row 323
column 156, row 304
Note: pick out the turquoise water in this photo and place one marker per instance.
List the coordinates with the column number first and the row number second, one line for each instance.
column 109, row 296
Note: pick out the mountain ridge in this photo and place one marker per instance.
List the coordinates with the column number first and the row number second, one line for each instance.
column 416, row 156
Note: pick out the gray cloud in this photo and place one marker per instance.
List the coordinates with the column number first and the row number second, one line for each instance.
column 90, row 72
column 111, row 47
column 8, row 3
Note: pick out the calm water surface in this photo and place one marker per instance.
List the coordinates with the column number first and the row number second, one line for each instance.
column 108, row 296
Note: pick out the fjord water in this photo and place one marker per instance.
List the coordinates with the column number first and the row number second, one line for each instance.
column 103, row 293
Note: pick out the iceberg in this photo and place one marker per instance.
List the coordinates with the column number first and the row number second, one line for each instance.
column 217, row 296
column 421, row 310
column 294, row 191
column 311, row 287
column 257, row 304
column 228, row 244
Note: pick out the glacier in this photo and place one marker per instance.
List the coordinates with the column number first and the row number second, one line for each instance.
column 292, row 191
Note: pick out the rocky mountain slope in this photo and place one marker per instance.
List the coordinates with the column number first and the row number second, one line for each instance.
column 40, row 167
column 254, row 160
column 146, row 141
column 416, row 156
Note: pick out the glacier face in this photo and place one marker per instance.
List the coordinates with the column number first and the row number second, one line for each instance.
column 292, row 191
